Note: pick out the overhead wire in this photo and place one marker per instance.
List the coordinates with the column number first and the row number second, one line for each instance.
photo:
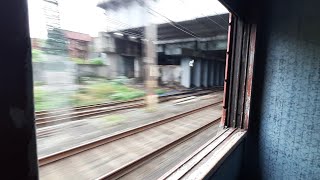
column 126, row 32
column 171, row 22
column 219, row 15
column 123, row 24
column 210, row 18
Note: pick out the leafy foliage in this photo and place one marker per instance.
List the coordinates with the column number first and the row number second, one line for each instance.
column 90, row 92
column 160, row 91
column 95, row 61
column 78, row 60
column 37, row 55
column 56, row 43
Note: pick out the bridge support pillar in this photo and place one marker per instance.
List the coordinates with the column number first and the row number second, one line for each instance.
column 196, row 73
column 216, row 73
column 185, row 72
column 204, row 73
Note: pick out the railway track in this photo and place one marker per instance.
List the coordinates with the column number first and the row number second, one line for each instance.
column 118, row 172
column 131, row 166
column 45, row 118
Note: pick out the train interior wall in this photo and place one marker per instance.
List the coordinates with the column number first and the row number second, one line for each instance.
column 283, row 139
column 18, row 153
column 231, row 167
column 287, row 129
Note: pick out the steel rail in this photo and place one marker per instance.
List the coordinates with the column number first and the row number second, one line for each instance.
column 218, row 140
column 118, row 173
column 81, row 115
column 104, row 140
column 44, row 112
column 83, row 112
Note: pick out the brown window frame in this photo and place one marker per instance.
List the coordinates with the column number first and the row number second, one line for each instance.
column 240, row 57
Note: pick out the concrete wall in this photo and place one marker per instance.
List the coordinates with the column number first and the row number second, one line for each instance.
column 196, row 73
column 170, row 74
column 41, row 70
column 114, row 64
column 38, row 73
column 115, row 67
column 185, row 72
column 138, row 70
column 88, row 70
column 205, row 72
column 284, row 138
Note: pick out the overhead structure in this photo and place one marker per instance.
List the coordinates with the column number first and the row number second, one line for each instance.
column 202, row 41
column 52, row 15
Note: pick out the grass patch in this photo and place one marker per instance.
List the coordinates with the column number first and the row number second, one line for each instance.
column 160, row 91
column 95, row 61
column 47, row 100
column 91, row 92
column 114, row 118
column 37, row 56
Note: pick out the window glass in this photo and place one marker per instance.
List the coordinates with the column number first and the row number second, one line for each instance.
column 119, row 80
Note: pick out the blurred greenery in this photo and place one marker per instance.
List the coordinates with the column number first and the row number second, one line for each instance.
column 160, row 91
column 91, row 92
column 56, row 42
column 114, row 118
column 38, row 83
column 37, row 55
column 45, row 99
column 120, row 80
column 78, row 60
column 95, row 61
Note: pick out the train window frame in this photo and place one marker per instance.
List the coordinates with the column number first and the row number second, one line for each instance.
column 235, row 113
column 240, row 58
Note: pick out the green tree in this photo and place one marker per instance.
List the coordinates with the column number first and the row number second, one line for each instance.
column 56, row 42
column 37, row 55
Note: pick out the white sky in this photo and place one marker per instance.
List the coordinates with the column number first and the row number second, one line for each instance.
column 84, row 16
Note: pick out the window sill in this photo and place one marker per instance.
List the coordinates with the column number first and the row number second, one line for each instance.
column 208, row 158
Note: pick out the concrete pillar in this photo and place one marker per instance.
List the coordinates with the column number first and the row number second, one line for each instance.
column 216, row 73
column 151, row 61
column 185, row 72
column 222, row 73
column 120, row 66
column 204, row 73
column 137, row 68
column 196, row 79
column 221, row 76
column 209, row 73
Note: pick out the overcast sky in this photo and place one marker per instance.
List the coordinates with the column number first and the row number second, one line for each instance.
column 84, row 16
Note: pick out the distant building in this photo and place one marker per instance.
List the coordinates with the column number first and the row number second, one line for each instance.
column 36, row 43
column 78, row 44
column 52, row 14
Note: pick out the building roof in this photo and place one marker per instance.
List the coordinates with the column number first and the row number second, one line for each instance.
column 77, row 36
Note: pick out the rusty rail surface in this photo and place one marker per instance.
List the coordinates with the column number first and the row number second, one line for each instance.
column 45, row 118
column 104, row 140
column 121, row 171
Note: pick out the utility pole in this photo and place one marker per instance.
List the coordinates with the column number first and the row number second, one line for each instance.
column 150, row 63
